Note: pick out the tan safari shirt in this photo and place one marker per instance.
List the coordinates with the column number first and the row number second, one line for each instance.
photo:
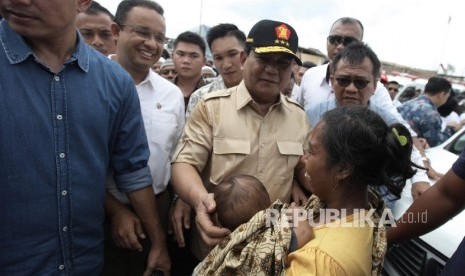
column 225, row 135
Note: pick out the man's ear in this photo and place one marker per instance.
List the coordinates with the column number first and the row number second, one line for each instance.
column 83, row 5
column 115, row 30
column 331, row 80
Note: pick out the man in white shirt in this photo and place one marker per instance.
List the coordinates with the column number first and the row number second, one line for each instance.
column 140, row 33
column 316, row 87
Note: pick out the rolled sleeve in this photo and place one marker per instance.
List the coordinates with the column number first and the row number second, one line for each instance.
column 130, row 152
column 130, row 182
column 196, row 143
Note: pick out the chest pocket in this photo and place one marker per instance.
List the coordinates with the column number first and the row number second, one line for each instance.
column 231, row 146
column 228, row 155
column 163, row 129
column 290, row 153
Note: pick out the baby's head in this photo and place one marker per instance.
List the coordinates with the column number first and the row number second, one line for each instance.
column 238, row 198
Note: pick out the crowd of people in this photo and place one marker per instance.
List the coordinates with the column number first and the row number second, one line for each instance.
column 126, row 159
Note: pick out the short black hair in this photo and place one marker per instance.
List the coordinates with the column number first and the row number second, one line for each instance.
column 436, row 85
column 348, row 20
column 95, row 8
column 393, row 82
column 192, row 38
column 355, row 53
column 126, row 6
column 308, row 64
column 223, row 30
column 165, row 54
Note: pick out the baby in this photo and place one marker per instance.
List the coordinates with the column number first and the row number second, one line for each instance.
column 238, row 198
column 258, row 245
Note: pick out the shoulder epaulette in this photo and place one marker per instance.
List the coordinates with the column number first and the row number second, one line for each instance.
column 292, row 101
column 217, row 94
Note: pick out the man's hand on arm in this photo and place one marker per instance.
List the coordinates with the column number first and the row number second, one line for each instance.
column 180, row 219
column 143, row 202
column 126, row 227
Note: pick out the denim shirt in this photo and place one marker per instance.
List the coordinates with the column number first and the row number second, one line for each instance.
column 59, row 135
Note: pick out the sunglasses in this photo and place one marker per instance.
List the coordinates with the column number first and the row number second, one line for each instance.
column 346, row 81
column 338, row 39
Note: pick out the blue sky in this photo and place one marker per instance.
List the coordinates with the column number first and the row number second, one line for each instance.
column 408, row 32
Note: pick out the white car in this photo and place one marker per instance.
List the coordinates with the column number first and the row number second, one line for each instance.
column 428, row 254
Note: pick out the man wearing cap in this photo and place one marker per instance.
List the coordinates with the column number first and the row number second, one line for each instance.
column 247, row 129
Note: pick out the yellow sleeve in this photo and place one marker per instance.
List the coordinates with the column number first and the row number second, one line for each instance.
column 312, row 261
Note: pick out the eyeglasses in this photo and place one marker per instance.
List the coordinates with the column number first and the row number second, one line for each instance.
column 346, row 81
column 393, row 89
column 338, row 39
column 145, row 33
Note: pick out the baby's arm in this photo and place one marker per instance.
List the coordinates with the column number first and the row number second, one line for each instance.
column 302, row 232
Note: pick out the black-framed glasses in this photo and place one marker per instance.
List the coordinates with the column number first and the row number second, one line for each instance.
column 346, row 81
column 339, row 39
column 146, row 34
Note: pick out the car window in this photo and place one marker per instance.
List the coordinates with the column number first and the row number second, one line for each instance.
column 458, row 145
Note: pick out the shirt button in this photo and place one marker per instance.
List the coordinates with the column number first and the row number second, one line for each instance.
column 61, row 267
column 64, row 192
column 59, row 117
column 65, row 229
column 62, row 155
column 57, row 78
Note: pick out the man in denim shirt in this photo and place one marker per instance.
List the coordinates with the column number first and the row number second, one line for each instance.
column 422, row 112
column 67, row 114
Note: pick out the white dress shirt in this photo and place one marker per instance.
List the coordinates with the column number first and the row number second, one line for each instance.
column 162, row 106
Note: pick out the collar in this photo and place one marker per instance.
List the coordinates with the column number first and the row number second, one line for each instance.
column 243, row 97
column 201, row 82
column 17, row 50
column 426, row 98
column 328, row 73
column 149, row 79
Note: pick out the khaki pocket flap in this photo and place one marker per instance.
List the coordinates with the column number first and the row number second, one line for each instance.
column 231, row 146
column 290, row 148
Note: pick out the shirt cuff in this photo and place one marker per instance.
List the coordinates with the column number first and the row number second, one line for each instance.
column 130, row 182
